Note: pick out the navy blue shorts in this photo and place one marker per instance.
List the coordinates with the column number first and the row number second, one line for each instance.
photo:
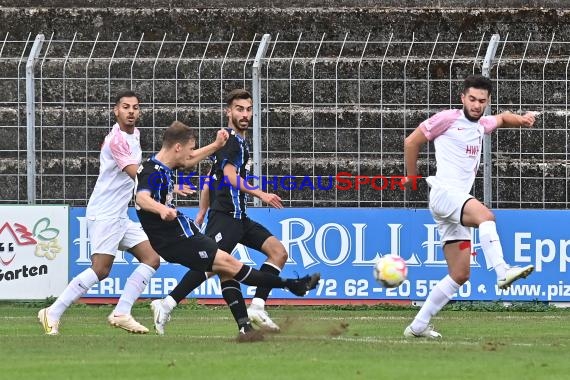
column 228, row 231
column 196, row 252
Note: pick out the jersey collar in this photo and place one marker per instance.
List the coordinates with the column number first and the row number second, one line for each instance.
column 156, row 161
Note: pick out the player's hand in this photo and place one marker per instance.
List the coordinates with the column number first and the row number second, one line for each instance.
column 221, row 138
column 199, row 220
column 183, row 190
column 528, row 119
column 272, row 200
column 168, row 214
column 411, row 182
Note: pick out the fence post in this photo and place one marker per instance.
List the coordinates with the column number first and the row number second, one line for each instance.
column 256, row 93
column 487, row 175
column 31, row 117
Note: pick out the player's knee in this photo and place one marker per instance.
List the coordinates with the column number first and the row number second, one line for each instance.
column 279, row 256
column 102, row 272
column 488, row 216
column 460, row 277
column 275, row 251
column 101, row 265
column 153, row 261
column 225, row 264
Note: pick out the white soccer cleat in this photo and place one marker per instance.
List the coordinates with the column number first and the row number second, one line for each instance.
column 126, row 322
column 160, row 316
column 259, row 316
column 50, row 327
column 513, row 274
column 428, row 332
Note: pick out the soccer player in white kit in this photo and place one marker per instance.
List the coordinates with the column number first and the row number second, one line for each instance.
column 458, row 135
column 109, row 226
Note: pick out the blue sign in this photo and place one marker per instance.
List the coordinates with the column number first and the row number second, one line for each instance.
column 343, row 244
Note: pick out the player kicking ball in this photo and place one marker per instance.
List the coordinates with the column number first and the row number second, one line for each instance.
column 225, row 192
column 177, row 238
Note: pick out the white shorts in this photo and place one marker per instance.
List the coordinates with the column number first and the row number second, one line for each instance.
column 446, row 207
column 110, row 235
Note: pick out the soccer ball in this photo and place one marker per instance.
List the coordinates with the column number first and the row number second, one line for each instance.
column 390, row 271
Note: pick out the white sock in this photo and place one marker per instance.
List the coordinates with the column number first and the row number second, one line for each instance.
column 258, row 303
column 437, row 298
column 169, row 303
column 75, row 289
column 492, row 249
column 135, row 285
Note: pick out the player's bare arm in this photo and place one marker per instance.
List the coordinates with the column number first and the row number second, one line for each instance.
column 511, row 120
column 131, row 170
column 145, row 202
column 412, row 146
column 239, row 183
column 200, row 154
column 204, row 203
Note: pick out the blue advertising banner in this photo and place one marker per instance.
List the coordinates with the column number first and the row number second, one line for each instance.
column 343, row 244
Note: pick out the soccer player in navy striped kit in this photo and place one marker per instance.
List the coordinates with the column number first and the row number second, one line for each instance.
column 228, row 222
column 177, row 238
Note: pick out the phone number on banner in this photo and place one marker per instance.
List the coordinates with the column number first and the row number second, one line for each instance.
column 330, row 287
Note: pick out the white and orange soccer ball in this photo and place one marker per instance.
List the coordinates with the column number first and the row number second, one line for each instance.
column 390, row 271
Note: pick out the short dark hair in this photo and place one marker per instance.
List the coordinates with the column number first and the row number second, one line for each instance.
column 126, row 94
column 479, row 82
column 238, row 93
column 178, row 132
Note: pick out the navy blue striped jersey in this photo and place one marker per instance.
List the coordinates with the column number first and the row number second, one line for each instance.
column 227, row 198
column 159, row 180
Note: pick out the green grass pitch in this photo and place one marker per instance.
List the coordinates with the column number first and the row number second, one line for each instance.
column 316, row 343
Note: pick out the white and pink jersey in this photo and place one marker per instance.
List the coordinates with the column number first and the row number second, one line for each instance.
column 458, row 145
column 114, row 188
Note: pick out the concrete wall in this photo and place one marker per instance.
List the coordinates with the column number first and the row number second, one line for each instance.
column 401, row 19
column 200, row 18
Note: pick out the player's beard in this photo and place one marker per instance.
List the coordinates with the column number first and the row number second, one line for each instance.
column 469, row 117
column 238, row 126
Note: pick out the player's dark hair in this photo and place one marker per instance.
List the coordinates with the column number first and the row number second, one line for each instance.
column 126, row 94
column 479, row 82
column 178, row 132
column 238, row 93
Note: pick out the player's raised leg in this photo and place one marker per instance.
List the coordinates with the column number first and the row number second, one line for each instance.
column 476, row 214
column 227, row 265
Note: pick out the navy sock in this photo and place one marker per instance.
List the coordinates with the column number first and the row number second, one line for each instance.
column 191, row 280
column 231, row 292
column 262, row 292
column 249, row 276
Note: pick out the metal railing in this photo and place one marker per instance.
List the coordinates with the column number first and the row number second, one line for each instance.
column 323, row 106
